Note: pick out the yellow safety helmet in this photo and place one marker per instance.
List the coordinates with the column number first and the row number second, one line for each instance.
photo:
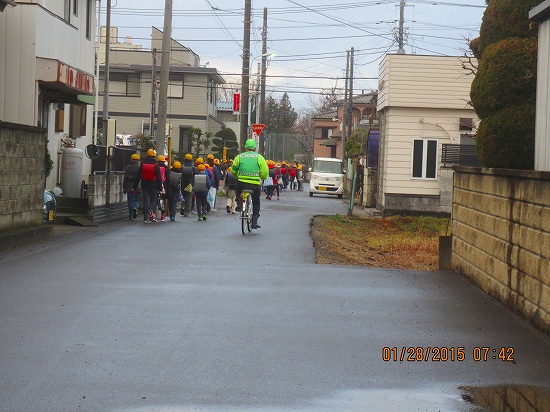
column 161, row 158
column 216, row 161
column 200, row 160
column 210, row 156
column 176, row 165
column 201, row 167
column 188, row 156
column 134, row 156
column 151, row 152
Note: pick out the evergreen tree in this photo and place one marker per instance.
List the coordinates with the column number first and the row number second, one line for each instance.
column 199, row 141
column 225, row 138
column 503, row 92
column 280, row 115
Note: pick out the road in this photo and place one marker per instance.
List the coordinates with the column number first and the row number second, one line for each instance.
column 190, row 315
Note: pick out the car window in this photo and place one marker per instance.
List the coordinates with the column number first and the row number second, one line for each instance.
column 324, row 166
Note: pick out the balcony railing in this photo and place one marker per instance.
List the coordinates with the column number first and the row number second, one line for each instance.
column 459, row 154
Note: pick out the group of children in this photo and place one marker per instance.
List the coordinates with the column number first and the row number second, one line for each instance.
column 194, row 185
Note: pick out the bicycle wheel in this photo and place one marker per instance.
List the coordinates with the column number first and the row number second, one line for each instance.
column 244, row 217
column 248, row 208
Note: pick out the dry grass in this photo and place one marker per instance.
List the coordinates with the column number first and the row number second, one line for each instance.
column 395, row 242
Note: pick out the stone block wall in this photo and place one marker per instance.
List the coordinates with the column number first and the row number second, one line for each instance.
column 501, row 237
column 370, row 187
column 22, row 176
column 418, row 204
column 106, row 200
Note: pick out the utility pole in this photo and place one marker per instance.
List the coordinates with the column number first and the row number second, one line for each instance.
column 245, row 79
column 401, row 35
column 262, row 82
column 350, row 100
column 98, row 49
column 106, row 80
column 164, row 77
column 106, row 103
column 345, row 109
column 153, row 94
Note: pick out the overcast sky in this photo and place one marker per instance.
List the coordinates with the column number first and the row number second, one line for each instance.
column 309, row 37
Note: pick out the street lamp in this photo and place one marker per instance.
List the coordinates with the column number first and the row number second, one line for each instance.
column 246, row 105
column 260, row 89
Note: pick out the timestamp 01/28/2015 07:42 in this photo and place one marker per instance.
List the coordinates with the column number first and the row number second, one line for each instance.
column 447, row 354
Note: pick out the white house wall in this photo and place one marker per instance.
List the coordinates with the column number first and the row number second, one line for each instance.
column 405, row 125
column 17, row 66
column 542, row 142
column 420, row 97
column 61, row 41
column 423, row 82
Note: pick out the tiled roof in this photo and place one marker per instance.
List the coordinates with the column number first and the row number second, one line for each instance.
column 329, row 115
column 224, row 105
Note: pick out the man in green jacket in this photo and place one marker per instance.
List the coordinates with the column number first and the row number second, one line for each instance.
column 250, row 168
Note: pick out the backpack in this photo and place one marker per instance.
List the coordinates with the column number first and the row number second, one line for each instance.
column 132, row 171
column 175, row 179
column 200, row 184
column 187, row 172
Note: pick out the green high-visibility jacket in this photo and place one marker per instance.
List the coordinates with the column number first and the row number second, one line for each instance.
column 250, row 167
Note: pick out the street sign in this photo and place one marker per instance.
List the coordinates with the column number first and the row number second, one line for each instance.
column 257, row 128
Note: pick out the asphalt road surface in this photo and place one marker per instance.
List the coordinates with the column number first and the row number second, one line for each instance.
column 189, row 315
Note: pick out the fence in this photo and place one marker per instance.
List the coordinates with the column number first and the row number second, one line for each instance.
column 459, row 154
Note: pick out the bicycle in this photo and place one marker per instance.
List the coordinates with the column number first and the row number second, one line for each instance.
column 246, row 211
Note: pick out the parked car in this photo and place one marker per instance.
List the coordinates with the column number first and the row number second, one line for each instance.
column 50, row 206
column 327, row 177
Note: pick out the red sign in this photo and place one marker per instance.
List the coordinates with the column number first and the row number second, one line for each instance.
column 257, row 129
column 74, row 78
column 236, row 102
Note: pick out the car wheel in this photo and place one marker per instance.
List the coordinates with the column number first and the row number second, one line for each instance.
column 310, row 194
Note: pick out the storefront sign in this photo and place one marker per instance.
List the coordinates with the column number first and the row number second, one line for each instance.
column 74, row 78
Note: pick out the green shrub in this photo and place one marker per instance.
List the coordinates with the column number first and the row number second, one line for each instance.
column 507, row 76
column 506, row 18
column 507, row 138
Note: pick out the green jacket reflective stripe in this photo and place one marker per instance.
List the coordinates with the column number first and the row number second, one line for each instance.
column 250, row 167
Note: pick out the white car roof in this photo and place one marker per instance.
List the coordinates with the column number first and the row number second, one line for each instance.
column 328, row 159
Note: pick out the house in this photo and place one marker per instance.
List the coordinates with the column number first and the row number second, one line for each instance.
column 47, row 60
column 328, row 125
column 191, row 90
column 424, row 112
column 541, row 14
column 228, row 117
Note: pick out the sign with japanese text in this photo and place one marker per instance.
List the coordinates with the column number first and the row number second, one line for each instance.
column 257, row 129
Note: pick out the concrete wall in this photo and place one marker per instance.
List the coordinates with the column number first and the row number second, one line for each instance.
column 370, row 187
column 106, row 201
column 22, row 176
column 436, row 204
column 501, row 237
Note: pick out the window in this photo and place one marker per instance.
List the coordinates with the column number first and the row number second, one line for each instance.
column 326, row 132
column 211, row 89
column 75, row 7
column 424, row 161
column 67, row 11
column 77, row 120
column 122, row 84
column 175, row 86
column 89, row 17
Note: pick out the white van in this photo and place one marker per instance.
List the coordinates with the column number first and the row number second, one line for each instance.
column 327, row 177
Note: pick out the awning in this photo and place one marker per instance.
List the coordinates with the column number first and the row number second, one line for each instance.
column 62, row 81
column 329, row 142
